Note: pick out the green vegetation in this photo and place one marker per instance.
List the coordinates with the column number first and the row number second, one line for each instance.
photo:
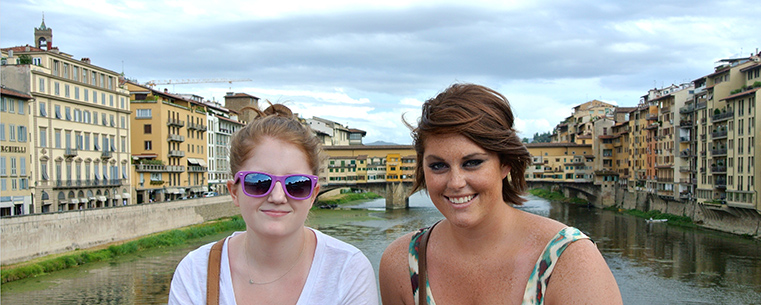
column 345, row 198
column 168, row 238
column 682, row 221
column 557, row 196
column 24, row 59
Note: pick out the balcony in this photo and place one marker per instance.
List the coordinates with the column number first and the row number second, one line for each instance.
column 175, row 122
column 719, row 134
column 105, row 155
column 722, row 116
column 652, row 117
column 70, row 152
column 175, row 168
column 175, row 138
column 198, row 127
column 652, row 126
column 718, row 169
column 665, row 109
column 665, row 179
column 684, row 139
column 685, row 153
column 176, row 153
column 686, row 123
column 684, row 169
column 721, row 184
column 196, row 169
column 703, row 137
column 700, row 105
column 154, row 168
column 684, row 180
column 686, row 109
column 684, row 195
column 719, row 152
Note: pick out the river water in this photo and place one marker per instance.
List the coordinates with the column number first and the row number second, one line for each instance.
column 653, row 263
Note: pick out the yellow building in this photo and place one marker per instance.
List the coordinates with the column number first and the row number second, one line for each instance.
column 15, row 145
column 560, row 162
column 169, row 145
column 79, row 127
column 382, row 163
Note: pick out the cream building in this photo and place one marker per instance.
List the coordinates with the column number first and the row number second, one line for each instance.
column 79, row 127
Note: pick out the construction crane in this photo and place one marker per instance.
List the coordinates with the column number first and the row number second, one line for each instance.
column 153, row 83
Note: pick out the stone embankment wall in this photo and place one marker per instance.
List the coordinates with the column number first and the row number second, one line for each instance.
column 726, row 219
column 31, row 236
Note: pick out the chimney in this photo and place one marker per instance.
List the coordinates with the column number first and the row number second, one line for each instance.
column 50, row 45
column 86, row 60
column 27, row 49
column 166, row 90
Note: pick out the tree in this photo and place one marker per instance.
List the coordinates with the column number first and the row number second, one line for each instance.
column 542, row 138
column 24, row 59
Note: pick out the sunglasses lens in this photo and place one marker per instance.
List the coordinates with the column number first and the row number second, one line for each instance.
column 257, row 184
column 298, row 186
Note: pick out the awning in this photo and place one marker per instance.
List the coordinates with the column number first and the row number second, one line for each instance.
column 83, row 199
column 193, row 161
column 73, row 200
column 102, row 198
column 117, row 196
column 201, row 162
column 92, row 198
column 172, row 190
column 181, row 191
column 196, row 189
column 205, row 189
column 125, row 195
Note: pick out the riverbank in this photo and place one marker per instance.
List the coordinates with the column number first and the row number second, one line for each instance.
column 671, row 219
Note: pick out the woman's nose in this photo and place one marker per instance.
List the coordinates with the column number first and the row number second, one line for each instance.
column 278, row 194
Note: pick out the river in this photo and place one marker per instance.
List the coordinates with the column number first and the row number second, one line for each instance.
column 653, row 263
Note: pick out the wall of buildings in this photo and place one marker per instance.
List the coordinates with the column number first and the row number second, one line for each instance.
column 30, row 236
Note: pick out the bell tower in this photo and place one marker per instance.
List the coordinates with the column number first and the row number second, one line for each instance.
column 43, row 36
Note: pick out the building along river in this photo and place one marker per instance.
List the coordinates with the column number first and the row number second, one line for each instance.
column 653, row 263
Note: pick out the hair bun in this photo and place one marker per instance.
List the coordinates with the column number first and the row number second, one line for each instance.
column 278, row 110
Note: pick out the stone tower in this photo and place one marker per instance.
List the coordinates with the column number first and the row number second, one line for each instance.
column 43, row 36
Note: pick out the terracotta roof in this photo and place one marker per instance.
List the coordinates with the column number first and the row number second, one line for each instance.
column 11, row 92
column 555, row 144
column 229, row 120
column 744, row 93
column 756, row 65
column 354, row 130
column 23, row 49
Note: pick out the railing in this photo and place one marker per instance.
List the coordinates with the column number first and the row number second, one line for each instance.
column 175, row 122
column 685, row 153
column 684, row 139
column 175, row 168
column 685, row 123
column 684, row 195
column 718, row 169
column 176, row 138
column 86, row 183
column 176, row 153
column 719, row 152
column 105, row 155
column 195, row 169
column 686, row 109
column 199, row 127
column 665, row 109
column 722, row 184
column 70, row 152
column 684, row 180
column 652, row 126
column 150, row 168
column 665, row 179
column 700, row 105
column 722, row 116
column 684, row 169
column 719, row 134
column 651, row 116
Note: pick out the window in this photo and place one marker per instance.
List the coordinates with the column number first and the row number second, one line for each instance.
column 103, row 98
column 77, row 115
column 124, row 123
column 76, row 92
column 43, row 110
column 3, row 171
column 20, row 107
column 103, row 120
column 42, row 85
column 12, row 131
column 124, row 144
column 22, row 134
column 13, row 166
column 94, row 97
column 87, row 141
column 86, row 94
column 143, row 113
column 22, row 166
column 112, row 121
column 57, row 138
column 43, row 137
column 148, row 145
column 147, row 129
column 57, row 88
column 44, row 170
column 2, row 132
column 3, row 104
column 57, row 111
column 95, row 117
column 67, row 112
column 66, row 90
column 111, row 99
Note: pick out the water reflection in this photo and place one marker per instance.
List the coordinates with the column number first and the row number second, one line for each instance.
column 653, row 263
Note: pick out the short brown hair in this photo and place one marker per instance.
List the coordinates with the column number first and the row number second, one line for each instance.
column 278, row 122
column 483, row 116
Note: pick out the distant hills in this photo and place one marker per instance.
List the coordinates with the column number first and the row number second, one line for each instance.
column 377, row 143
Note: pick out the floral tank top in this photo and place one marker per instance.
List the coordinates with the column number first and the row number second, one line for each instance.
column 537, row 282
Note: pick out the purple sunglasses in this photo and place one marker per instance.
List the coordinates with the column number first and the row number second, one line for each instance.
column 258, row 184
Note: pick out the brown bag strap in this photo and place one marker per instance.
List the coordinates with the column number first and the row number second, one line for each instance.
column 422, row 272
column 212, row 274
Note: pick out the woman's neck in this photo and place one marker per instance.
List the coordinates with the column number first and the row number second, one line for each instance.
column 272, row 253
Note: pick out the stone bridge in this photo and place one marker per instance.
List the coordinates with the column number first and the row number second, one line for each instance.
column 396, row 193
column 589, row 191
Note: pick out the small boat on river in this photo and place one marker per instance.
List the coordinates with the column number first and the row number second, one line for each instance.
column 651, row 220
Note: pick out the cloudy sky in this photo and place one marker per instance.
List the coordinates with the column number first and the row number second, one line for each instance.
column 366, row 65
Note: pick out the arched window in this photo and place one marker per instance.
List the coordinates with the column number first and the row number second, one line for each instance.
column 45, row 195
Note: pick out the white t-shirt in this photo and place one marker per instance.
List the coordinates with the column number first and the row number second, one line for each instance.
column 340, row 274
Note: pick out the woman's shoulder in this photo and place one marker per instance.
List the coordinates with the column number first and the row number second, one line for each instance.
column 334, row 245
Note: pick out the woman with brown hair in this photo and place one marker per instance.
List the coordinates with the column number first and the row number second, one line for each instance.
column 276, row 260
column 471, row 162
